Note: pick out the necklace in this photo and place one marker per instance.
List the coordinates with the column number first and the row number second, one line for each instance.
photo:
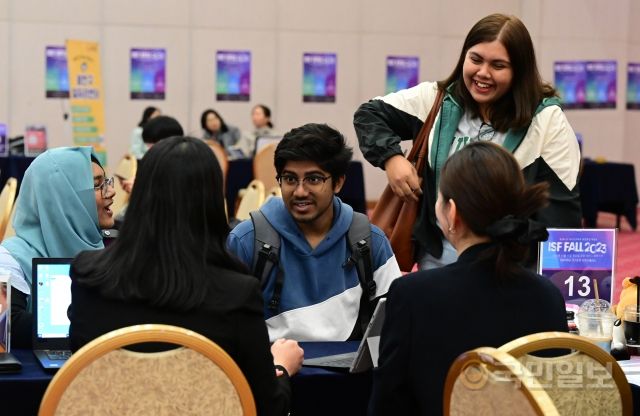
column 485, row 132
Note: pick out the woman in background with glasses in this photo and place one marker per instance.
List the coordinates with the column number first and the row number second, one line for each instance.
column 169, row 265
column 64, row 201
column 495, row 93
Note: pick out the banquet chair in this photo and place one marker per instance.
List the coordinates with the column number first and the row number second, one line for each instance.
column 486, row 381
column 7, row 200
column 221, row 155
column 274, row 192
column 263, row 167
column 126, row 170
column 10, row 231
column 103, row 378
column 252, row 199
column 586, row 381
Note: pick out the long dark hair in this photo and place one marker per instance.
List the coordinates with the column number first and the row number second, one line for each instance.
column 203, row 121
column 516, row 107
column 174, row 232
column 267, row 113
column 488, row 187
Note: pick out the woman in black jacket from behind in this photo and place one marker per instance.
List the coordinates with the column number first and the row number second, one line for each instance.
column 169, row 265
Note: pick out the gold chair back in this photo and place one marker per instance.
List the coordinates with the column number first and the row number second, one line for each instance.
column 263, row 167
column 274, row 192
column 252, row 199
column 7, row 200
column 101, row 378
column 221, row 155
column 126, row 170
column 587, row 381
column 486, row 381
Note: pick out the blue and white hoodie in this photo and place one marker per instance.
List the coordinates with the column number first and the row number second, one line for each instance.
column 320, row 298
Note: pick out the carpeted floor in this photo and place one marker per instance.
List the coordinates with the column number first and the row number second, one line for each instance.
column 628, row 255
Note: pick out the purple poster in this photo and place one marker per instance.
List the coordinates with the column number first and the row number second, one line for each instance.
column 402, row 72
column 571, row 83
column 4, row 143
column 633, row 86
column 57, row 75
column 319, row 79
column 233, row 75
column 601, row 84
column 148, row 68
column 576, row 260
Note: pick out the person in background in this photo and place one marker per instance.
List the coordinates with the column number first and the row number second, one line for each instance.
column 137, row 144
column 495, row 93
column 261, row 119
column 320, row 291
column 485, row 298
column 169, row 265
column 214, row 128
column 63, row 203
column 155, row 130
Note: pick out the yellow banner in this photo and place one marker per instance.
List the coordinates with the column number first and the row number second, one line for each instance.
column 86, row 95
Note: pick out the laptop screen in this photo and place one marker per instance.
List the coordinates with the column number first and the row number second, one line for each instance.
column 53, row 287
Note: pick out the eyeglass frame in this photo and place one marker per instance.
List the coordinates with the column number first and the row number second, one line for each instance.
column 104, row 185
column 305, row 181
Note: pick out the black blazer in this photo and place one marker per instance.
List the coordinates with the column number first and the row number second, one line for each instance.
column 231, row 317
column 435, row 315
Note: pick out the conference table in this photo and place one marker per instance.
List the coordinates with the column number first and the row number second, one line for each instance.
column 609, row 187
column 316, row 391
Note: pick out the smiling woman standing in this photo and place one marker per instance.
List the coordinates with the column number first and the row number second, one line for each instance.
column 495, row 93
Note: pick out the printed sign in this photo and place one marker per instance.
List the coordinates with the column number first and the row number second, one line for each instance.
column 4, row 142
column 402, row 72
column 147, row 79
column 602, row 84
column 233, row 75
column 571, row 83
column 57, row 75
column 35, row 140
column 319, row 78
column 579, row 260
column 86, row 96
column 633, row 86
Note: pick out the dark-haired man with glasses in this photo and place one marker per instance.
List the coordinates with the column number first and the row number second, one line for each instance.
column 312, row 290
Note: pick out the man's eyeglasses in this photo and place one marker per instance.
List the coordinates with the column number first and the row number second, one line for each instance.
column 106, row 184
column 311, row 182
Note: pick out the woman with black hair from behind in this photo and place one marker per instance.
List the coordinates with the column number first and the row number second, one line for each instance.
column 485, row 298
column 169, row 265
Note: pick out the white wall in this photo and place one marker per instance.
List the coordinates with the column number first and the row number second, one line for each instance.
column 361, row 32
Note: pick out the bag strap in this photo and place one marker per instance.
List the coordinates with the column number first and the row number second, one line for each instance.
column 359, row 240
column 266, row 255
column 421, row 143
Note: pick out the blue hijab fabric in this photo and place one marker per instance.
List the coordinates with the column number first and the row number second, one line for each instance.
column 56, row 213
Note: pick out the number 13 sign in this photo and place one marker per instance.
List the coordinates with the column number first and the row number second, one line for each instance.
column 579, row 260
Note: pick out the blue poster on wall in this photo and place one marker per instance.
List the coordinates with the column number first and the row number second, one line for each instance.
column 571, row 82
column 4, row 143
column 402, row 72
column 319, row 78
column 148, row 71
column 233, row 75
column 633, row 86
column 579, row 262
column 602, row 84
column 57, row 75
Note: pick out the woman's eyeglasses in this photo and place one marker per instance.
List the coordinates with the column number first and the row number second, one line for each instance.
column 106, row 184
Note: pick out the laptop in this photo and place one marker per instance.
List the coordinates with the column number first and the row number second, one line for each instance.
column 50, row 299
column 366, row 356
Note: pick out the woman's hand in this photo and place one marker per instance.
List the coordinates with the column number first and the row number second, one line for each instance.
column 403, row 178
column 287, row 353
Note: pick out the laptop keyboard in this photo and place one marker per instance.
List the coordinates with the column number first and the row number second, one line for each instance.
column 58, row 354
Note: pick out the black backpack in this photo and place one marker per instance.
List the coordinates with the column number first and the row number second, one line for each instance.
column 266, row 255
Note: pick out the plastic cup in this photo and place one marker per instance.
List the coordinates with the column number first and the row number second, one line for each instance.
column 597, row 327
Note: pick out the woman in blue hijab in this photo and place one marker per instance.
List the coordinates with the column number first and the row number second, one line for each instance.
column 63, row 203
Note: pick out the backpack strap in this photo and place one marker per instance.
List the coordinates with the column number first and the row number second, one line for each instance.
column 266, row 255
column 359, row 240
